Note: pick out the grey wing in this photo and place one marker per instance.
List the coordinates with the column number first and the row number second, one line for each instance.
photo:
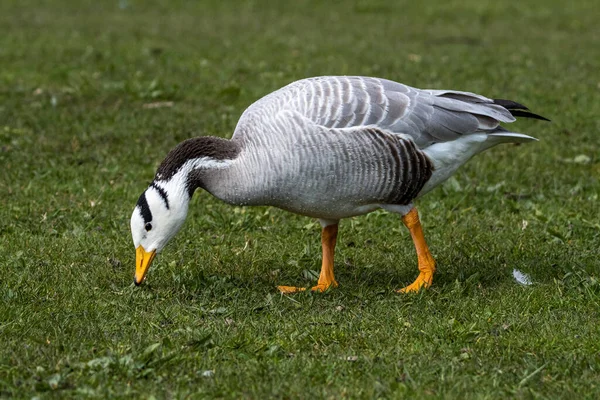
column 427, row 116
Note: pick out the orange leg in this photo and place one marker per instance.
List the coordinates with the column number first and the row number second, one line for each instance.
column 326, row 278
column 426, row 261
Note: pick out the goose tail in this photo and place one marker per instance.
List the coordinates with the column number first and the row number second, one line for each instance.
column 501, row 135
column 518, row 109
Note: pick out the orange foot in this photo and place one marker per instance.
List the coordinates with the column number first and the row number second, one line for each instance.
column 321, row 287
column 423, row 281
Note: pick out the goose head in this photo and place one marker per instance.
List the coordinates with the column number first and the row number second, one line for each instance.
column 162, row 208
column 157, row 217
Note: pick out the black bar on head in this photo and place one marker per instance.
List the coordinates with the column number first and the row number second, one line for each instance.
column 142, row 203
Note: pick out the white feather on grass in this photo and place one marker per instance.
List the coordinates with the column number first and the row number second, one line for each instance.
column 522, row 278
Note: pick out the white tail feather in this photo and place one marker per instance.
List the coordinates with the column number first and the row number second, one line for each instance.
column 447, row 157
column 511, row 137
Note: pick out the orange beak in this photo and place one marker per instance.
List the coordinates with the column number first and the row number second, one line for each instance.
column 143, row 259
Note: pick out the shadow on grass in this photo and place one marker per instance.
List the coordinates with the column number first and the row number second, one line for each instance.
column 459, row 269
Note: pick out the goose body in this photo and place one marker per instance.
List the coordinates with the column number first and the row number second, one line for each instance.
column 330, row 148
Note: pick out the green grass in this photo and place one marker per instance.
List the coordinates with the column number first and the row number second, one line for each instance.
column 78, row 146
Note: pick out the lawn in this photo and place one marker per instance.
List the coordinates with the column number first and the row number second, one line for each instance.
column 94, row 94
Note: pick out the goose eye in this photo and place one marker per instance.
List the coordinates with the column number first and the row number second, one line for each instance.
column 148, row 226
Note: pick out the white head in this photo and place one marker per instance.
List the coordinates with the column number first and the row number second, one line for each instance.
column 158, row 215
column 163, row 207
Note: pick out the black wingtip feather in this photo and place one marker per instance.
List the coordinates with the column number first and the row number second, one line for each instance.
column 509, row 104
column 527, row 114
column 518, row 109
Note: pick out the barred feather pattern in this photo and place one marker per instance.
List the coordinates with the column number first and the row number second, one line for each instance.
column 427, row 116
column 334, row 147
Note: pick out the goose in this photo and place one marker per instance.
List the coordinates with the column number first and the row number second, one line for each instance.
column 328, row 147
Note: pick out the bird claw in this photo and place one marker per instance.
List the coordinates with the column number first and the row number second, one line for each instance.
column 423, row 281
column 321, row 287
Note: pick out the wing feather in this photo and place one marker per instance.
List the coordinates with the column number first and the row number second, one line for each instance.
column 427, row 116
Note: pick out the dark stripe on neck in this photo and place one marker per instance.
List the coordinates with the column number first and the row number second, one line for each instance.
column 144, row 208
column 161, row 192
column 203, row 146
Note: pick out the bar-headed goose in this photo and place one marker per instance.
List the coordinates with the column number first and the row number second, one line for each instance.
column 329, row 148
